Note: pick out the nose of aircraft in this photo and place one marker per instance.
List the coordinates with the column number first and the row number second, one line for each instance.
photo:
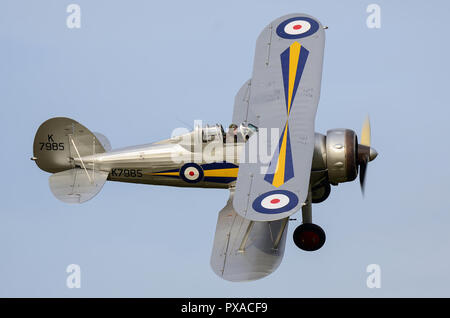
column 373, row 154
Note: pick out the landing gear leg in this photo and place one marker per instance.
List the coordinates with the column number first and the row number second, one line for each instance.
column 307, row 210
column 308, row 236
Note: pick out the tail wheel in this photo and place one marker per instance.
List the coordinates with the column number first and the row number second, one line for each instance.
column 309, row 237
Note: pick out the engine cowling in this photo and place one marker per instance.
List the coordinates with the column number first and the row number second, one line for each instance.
column 342, row 155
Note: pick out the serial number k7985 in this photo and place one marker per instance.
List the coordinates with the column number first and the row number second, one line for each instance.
column 127, row 173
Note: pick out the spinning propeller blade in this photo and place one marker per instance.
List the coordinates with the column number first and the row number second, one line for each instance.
column 365, row 152
column 365, row 133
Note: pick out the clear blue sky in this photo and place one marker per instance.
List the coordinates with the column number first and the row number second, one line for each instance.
column 137, row 69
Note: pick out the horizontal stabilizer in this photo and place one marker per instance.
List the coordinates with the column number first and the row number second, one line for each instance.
column 77, row 185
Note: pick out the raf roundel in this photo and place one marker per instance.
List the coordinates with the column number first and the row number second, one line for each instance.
column 191, row 173
column 277, row 201
column 298, row 27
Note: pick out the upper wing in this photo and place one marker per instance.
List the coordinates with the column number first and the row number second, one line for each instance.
column 283, row 95
column 246, row 250
column 241, row 111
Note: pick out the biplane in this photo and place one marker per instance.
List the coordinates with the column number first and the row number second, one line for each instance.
column 270, row 159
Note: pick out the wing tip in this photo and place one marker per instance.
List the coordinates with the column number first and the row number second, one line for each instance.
column 243, row 276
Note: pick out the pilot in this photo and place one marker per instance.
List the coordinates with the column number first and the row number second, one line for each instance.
column 232, row 133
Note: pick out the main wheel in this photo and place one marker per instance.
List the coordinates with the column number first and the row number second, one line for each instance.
column 309, row 237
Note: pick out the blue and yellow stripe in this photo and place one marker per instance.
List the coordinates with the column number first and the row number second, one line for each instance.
column 293, row 61
column 220, row 172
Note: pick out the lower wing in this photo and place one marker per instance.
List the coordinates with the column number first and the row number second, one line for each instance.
column 246, row 250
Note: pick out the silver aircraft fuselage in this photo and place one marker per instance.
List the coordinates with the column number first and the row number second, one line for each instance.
column 160, row 163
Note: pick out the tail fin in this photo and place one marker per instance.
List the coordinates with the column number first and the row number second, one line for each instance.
column 57, row 142
column 53, row 149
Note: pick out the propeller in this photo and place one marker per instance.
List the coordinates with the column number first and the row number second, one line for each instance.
column 365, row 153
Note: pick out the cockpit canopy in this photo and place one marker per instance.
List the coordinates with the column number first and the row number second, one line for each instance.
column 212, row 133
column 217, row 133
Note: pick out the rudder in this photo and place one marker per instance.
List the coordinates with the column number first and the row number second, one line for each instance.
column 53, row 149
